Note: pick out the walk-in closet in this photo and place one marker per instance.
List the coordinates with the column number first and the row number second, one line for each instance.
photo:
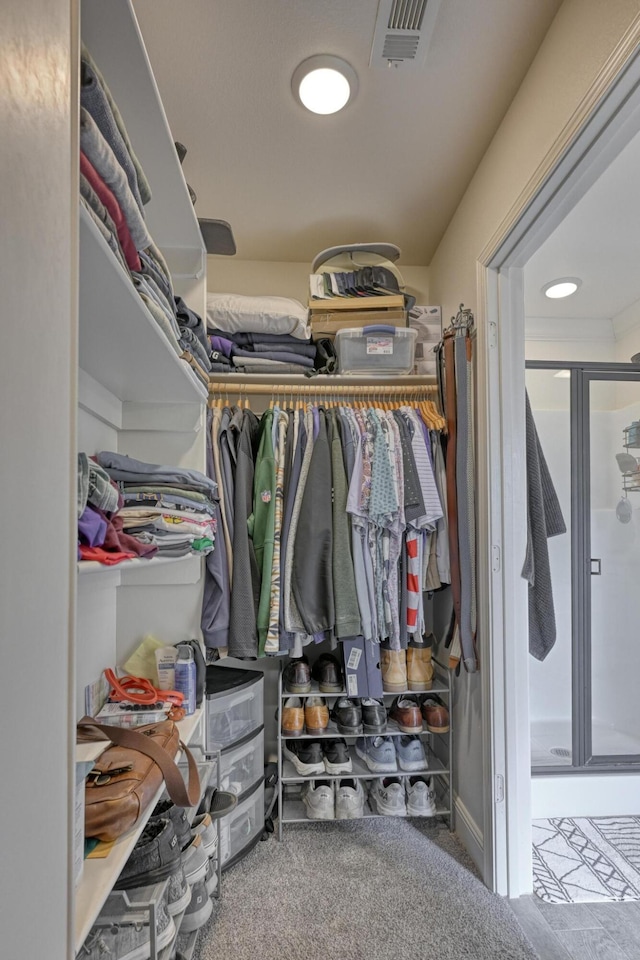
column 264, row 661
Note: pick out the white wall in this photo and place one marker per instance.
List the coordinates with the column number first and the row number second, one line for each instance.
column 580, row 41
column 38, row 152
column 281, row 279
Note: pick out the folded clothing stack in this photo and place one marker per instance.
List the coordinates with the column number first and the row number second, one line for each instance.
column 113, row 191
column 171, row 509
column 101, row 534
column 258, row 334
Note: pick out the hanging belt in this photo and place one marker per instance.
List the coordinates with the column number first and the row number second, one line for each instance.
column 452, row 495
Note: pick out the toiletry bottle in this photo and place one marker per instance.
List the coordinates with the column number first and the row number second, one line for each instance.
column 185, row 678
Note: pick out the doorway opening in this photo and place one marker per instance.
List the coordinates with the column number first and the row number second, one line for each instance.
column 583, row 704
column 599, row 146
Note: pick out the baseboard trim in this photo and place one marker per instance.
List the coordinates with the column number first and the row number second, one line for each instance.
column 469, row 833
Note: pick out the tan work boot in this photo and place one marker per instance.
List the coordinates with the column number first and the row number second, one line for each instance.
column 394, row 670
column 419, row 668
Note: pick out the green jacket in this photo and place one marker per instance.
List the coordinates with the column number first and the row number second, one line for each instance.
column 262, row 521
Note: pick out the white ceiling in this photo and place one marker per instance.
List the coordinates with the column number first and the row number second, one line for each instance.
column 393, row 166
column 599, row 242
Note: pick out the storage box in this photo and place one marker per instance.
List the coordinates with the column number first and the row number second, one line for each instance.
column 234, row 705
column 242, row 828
column 378, row 350
column 427, row 322
column 242, row 766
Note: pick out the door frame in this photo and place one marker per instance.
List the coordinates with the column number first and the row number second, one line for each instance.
column 607, row 119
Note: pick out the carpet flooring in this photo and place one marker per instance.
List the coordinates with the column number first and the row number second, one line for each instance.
column 368, row 890
column 584, row 859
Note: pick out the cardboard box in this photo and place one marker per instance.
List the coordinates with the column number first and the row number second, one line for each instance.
column 327, row 324
column 390, row 302
column 355, row 668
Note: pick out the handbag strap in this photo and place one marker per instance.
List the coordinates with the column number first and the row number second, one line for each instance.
column 182, row 796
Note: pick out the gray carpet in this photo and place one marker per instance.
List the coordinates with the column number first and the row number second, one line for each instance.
column 369, row 890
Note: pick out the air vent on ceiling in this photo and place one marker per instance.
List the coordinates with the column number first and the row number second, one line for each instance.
column 402, row 32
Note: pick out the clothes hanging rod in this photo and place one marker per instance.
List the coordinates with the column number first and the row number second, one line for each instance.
column 311, row 388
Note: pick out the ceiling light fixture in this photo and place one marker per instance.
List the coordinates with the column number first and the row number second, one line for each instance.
column 563, row 287
column 324, row 84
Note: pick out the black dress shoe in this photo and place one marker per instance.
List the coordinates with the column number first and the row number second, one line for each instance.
column 374, row 716
column 347, row 714
column 297, row 676
column 328, row 672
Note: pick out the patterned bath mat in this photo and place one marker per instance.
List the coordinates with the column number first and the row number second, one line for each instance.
column 586, row 859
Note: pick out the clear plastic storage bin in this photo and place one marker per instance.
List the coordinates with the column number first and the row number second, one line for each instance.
column 242, row 767
column 234, row 705
column 242, row 827
column 380, row 349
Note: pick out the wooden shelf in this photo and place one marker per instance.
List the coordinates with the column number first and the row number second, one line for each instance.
column 95, row 568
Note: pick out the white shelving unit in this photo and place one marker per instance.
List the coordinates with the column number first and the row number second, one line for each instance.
column 136, row 396
column 437, row 748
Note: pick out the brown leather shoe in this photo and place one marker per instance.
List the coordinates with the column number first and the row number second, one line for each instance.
column 296, row 677
column 393, row 664
column 316, row 715
column 293, row 717
column 436, row 715
column 406, row 713
column 419, row 668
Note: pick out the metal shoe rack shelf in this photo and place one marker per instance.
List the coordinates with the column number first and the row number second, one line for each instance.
column 437, row 746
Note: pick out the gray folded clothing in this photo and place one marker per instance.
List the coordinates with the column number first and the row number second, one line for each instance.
column 94, row 486
column 127, row 469
column 260, row 365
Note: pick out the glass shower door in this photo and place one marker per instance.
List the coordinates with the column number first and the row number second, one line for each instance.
column 611, row 555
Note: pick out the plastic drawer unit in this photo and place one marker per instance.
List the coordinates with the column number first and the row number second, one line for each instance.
column 242, row 765
column 234, row 705
column 380, row 349
column 241, row 829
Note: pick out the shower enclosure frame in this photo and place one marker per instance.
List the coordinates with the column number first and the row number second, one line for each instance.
column 583, row 760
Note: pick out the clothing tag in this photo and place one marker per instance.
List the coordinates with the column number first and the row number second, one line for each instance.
column 354, row 659
column 352, row 685
column 380, row 345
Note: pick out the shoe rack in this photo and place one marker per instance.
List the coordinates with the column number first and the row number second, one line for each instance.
column 438, row 748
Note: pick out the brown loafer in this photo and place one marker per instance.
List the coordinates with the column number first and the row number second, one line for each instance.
column 406, row 713
column 293, row 717
column 436, row 715
column 316, row 715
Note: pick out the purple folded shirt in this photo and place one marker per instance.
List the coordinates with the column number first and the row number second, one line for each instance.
column 92, row 527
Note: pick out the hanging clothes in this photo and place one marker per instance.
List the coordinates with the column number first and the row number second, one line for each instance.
column 333, row 523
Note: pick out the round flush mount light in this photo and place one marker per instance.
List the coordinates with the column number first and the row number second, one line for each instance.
column 324, row 84
column 563, row 287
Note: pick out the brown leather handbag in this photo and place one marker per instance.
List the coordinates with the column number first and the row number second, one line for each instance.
column 127, row 776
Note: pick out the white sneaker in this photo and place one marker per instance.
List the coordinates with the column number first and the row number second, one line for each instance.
column 205, row 826
column 387, row 794
column 318, row 797
column 349, row 800
column 421, row 797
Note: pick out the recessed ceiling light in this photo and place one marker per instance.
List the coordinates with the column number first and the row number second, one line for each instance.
column 324, row 84
column 563, row 287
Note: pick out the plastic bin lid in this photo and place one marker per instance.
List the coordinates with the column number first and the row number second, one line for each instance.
column 388, row 251
column 223, row 679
